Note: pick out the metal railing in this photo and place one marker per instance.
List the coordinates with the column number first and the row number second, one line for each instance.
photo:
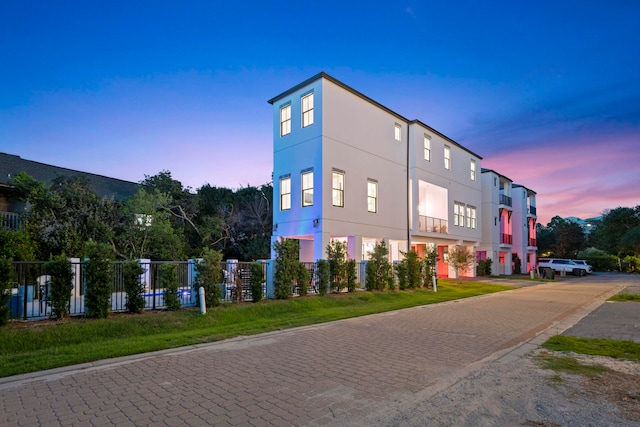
column 506, row 239
column 10, row 221
column 430, row 224
column 532, row 210
column 506, row 200
column 533, row 242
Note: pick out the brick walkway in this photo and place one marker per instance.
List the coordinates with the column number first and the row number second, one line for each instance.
column 308, row 376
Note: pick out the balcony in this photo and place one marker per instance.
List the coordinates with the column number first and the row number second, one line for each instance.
column 10, row 221
column 532, row 210
column 533, row 242
column 432, row 225
column 506, row 200
column 506, row 239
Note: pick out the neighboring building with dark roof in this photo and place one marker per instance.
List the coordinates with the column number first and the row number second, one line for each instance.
column 11, row 165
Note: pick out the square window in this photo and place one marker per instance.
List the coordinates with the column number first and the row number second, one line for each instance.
column 338, row 188
column 307, row 188
column 372, row 196
column 285, row 120
column 285, row 193
column 307, row 110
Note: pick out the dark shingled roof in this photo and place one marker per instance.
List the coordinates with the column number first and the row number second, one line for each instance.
column 11, row 165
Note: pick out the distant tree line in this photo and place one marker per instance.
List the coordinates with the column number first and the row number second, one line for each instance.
column 613, row 242
column 162, row 221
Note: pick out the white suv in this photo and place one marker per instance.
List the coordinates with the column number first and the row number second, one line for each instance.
column 582, row 262
column 560, row 265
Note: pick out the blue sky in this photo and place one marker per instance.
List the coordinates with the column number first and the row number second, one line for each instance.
column 548, row 93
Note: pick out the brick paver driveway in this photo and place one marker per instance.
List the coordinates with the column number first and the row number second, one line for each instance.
column 308, row 376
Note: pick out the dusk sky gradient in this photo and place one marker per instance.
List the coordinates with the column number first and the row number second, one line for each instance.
column 547, row 92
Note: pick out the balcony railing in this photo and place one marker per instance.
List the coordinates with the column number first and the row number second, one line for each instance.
column 506, row 200
column 432, row 225
column 506, row 239
column 533, row 242
column 10, row 221
column 532, row 210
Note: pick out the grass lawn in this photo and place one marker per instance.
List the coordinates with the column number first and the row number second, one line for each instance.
column 594, row 347
column 28, row 347
column 625, row 297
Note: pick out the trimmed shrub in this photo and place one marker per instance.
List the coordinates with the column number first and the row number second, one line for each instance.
column 131, row 271
column 287, row 267
column 337, row 256
column 5, row 289
column 209, row 276
column 322, row 276
column 98, row 273
column 257, row 279
column 379, row 270
column 59, row 268
column 600, row 260
column 169, row 281
column 352, row 276
column 302, row 279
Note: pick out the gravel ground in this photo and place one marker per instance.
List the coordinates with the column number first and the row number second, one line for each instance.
column 518, row 392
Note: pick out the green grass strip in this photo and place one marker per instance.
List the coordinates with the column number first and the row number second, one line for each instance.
column 33, row 348
column 625, row 297
column 594, row 347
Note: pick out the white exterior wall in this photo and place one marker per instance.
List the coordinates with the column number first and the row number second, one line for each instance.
column 522, row 219
column 491, row 226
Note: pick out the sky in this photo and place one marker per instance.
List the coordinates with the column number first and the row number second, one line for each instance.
column 547, row 92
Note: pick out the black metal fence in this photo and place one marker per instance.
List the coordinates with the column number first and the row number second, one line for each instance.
column 31, row 286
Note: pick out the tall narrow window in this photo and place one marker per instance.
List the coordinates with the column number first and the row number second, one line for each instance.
column 473, row 170
column 372, row 196
column 447, row 157
column 307, row 110
column 285, row 193
column 307, row 188
column 285, row 120
column 471, row 217
column 397, row 133
column 427, row 148
column 338, row 188
column 458, row 214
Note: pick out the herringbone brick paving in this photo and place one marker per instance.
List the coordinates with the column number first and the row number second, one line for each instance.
column 312, row 375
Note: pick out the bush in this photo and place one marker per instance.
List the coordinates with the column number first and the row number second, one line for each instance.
column 5, row 289
column 59, row 268
column 257, row 279
column 429, row 266
column 302, row 279
column 484, row 267
column 337, row 255
column 379, row 271
column 631, row 264
column 287, row 267
column 517, row 264
column 131, row 271
column 600, row 260
column 169, row 282
column 98, row 273
column 352, row 276
column 322, row 276
column 209, row 276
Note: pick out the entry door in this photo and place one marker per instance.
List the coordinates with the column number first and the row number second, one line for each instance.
column 443, row 265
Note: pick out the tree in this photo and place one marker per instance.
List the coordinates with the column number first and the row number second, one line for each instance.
column 209, row 277
column 5, row 289
column 378, row 269
column 257, row 279
column 461, row 259
column 337, row 257
column 430, row 265
column 287, row 267
column 608, row 233
column 59, row 268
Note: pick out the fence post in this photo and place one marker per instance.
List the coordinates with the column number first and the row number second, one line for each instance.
column 270, row 278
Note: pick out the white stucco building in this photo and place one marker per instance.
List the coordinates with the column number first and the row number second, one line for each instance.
column 347, row 167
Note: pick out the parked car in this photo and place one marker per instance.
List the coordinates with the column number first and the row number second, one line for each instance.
column 582, row 262
column 560, row 265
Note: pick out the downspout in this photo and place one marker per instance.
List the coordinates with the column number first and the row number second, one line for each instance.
column 408, row 193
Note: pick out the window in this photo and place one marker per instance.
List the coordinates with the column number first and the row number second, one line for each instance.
column 285, row 120
column 473, row 170
column 285, row 193
column 307, row 188
column 338, row 188
column 458, row 214
column 471, row 217
column 447, row 157
column 372, row 196
column 427, row 148
column 307, row 110
column 397, row 132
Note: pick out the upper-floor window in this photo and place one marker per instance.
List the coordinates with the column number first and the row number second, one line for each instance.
column 427, row 148
column 338, row 188
column 307, row 110
column 307, row 188
column 473, row 170
column 447, row 157
column 458, row 214
column 471, row 217
column 285, row 193
column 398, row 132
column 372, row 196
column 285, row 120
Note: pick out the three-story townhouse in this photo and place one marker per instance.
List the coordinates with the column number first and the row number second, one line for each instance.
column 525, row 218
